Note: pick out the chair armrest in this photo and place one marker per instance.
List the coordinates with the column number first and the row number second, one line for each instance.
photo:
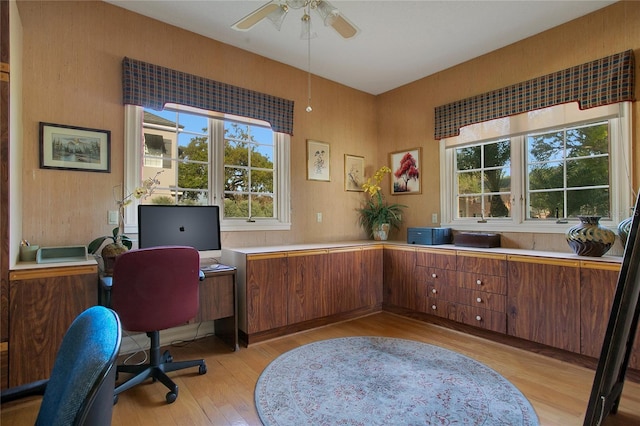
column 28, row 389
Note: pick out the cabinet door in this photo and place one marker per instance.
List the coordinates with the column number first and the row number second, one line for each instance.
column 266, row 287
column 309, row 293
column 543, row 301
column 399, row 281
column 43, row 304
column 598, row 283
column 372, row 272
column 216, row 298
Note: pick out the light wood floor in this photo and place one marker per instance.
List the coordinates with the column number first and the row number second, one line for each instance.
column 558, row 391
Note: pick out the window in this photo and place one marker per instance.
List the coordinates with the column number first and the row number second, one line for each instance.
column 538, row 171
column 208, row 158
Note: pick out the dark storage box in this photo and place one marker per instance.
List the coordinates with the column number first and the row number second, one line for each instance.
column 429, row 236
column 475, row 239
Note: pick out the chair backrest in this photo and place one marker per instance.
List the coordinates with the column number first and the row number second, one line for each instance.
column 80, row 389
column 156, row 288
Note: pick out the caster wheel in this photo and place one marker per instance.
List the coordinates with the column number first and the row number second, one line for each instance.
column 115, row 399
column 202, row 369
column 166, row 356
column 171, row 397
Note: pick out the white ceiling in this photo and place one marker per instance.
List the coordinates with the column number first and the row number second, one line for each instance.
column 399, row 41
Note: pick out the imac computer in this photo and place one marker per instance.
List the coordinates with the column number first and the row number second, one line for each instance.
column 193, row 226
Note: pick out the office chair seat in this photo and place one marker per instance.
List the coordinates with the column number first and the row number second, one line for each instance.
column 80, row 389
column 154, row 289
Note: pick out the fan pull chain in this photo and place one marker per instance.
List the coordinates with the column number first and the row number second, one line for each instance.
column 309, row 109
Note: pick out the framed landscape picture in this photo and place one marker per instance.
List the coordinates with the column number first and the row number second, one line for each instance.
column 318, row 160
column 405, row 172
column 74, row 148
column 353, row 172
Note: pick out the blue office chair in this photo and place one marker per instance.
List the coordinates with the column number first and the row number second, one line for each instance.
column 155, row 289
column 80, row 389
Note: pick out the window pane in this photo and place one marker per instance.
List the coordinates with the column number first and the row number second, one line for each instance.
column 192, row 175
column 470, row 183
column 546, row 176
column 194, row 198
column 588, row 202
column 261, row 206
column 236, row 179
column 588, row 172
column 545, row 205
column 546, row 147
column 236, row 153
column 236, row 205
column 497, row 205
column 469, row 207
column 588, row 140
column 497, row 154
column 468, row 158
column 262, row 181
column 497, row 180
column 192, row 123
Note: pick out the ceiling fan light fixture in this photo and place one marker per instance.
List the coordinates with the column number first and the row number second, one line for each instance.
column 297, row 4
column 277, row 16
column 327, row 12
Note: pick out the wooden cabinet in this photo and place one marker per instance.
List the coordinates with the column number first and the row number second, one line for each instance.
column 310, row 287
column 219, row 303
column 43, row 303
column 543, row 303
column 266, row 291
column 286, row 291
column 399, row 283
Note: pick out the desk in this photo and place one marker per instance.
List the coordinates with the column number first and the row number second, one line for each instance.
column 218, row 302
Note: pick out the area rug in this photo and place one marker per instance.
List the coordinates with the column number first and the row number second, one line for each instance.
column 385, row 381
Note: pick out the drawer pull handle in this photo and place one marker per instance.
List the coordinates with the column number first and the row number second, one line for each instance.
column 479, row 282
column 434, row 291
column 434, row 307
column 478, row 318
column 479, row 300
column 434, row 276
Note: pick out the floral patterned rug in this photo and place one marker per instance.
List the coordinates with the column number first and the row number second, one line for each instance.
column 385, row 381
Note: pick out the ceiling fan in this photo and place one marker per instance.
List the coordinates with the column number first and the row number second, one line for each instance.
column 276, row 10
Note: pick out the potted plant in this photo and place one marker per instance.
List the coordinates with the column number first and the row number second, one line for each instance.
column 119, row 241
column 377, row 216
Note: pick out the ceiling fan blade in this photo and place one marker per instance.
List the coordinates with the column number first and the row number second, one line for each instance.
column 246, row 23
column 344, row 27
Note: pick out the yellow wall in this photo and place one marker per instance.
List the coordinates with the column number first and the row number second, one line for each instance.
column 72, row 75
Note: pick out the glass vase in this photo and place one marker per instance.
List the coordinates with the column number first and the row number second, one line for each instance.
column 589, row 238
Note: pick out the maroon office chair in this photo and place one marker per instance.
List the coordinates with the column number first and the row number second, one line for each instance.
column 154, row 289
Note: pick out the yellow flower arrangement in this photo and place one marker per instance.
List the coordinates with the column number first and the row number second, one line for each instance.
column 375, row 211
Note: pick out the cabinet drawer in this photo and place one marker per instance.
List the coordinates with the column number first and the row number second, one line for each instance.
column 489, row 264
column 489, row 283
column 436, row 259
column 442, row 292
column 435, row 275
column 441, row 308
column 482, row 299
column 483, row 318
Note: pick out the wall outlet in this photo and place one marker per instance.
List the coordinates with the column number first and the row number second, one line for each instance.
column 434, row 217
column 112, row 217
column 318, row 217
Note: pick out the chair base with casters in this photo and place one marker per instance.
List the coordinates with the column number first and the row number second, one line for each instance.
column 156, row 369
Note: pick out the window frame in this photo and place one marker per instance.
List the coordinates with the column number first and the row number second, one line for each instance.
column 516, row 128
column 133, row 161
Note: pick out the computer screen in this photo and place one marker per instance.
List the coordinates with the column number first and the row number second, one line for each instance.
column 194, row 226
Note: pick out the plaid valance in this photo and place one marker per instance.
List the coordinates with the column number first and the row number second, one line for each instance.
column 154, row 86
column 601, row 82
